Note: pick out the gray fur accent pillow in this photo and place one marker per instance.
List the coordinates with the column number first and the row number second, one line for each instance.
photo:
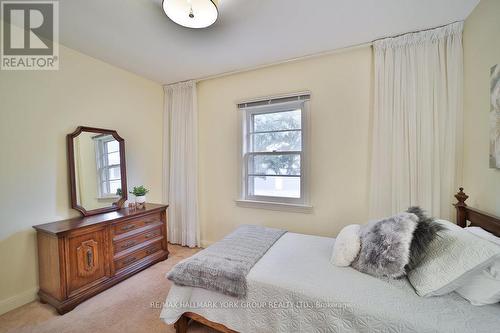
column 427, row 230
column 385, row 246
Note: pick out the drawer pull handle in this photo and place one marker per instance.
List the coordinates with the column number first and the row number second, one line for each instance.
column 90, row 258
column 128, row 227
column 150, row 251
column 150, row 235
column 129, row 260
column 148, row 222
column 127, row 245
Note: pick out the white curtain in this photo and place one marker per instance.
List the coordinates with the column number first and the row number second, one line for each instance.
column 180, row 163
column 417, row 125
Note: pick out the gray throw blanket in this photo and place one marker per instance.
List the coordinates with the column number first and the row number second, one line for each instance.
column 223, row 267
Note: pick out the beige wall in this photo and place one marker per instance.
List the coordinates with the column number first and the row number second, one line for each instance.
column 37, row 110
column 340, row 140
column 481, row 52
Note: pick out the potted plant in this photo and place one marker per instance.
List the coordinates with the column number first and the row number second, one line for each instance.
column 140, row 194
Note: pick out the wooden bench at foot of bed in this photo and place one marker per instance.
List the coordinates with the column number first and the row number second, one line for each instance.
column 182, row 324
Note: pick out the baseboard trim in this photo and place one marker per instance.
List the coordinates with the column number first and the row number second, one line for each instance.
column 205, row 243
column 18, row 300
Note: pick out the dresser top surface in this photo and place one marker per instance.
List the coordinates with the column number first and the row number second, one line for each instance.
column 80, row 222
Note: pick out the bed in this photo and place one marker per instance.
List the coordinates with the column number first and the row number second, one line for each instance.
column 294, row 288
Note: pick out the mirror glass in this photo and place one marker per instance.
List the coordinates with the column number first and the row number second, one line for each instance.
column 97, row 164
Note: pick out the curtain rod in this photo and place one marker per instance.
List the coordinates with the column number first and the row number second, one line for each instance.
column 305, row 57
column 416, row 31
column 309, row 56
column 248, row 69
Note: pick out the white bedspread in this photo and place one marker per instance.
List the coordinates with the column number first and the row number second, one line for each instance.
column 294, row 288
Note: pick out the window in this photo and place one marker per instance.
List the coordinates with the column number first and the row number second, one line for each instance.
column 274, row 151
column 108, row 166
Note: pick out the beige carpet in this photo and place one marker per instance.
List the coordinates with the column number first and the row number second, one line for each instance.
column 126, row 307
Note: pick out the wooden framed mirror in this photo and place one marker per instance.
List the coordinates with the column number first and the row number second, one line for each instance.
column 97, row 171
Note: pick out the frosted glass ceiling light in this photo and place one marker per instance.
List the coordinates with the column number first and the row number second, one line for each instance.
column 192, row 13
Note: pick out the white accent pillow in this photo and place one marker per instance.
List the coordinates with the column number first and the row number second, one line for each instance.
column 484, row 286
column 347, row 246
column 451, row 260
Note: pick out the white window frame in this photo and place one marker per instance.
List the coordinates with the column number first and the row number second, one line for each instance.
column 246, row 199
column 103, row 166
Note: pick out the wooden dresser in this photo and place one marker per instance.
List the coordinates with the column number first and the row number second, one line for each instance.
column 83, row 256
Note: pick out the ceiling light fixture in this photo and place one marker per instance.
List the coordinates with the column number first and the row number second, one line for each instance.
column 192, row 13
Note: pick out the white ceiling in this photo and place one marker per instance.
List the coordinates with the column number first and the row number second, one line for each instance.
column 137, row 36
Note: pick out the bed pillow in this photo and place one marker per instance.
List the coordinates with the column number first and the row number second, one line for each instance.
column 451, row 260
column 449, row 225
column 480, row 232
column 347, row 245
column 385, row 246
column 483, row 287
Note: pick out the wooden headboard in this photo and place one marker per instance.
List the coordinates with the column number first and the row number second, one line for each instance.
column 476, row 217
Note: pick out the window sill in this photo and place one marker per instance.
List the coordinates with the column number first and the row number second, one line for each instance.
column 286, row 207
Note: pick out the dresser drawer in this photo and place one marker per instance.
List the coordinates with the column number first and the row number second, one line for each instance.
column 129, row 225
column 130, row 242
column 137, row 255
